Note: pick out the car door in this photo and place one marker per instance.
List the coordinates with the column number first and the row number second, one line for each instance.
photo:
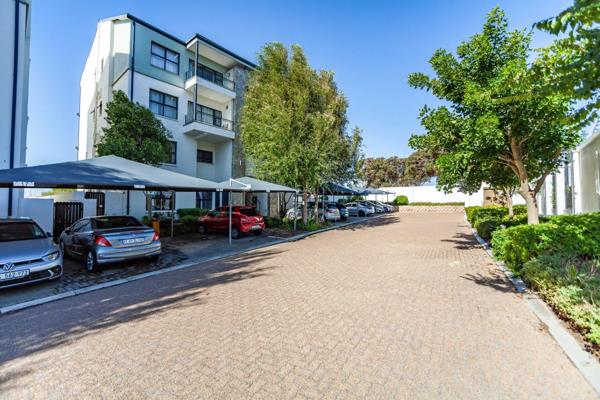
column 68, row 236
column 82, row 238
column 212, row 222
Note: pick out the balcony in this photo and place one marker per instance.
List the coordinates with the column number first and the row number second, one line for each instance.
column 208, row 126
column 219, row 88
column 211, row 76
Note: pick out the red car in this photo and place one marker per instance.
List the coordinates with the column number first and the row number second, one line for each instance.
column 244, row 219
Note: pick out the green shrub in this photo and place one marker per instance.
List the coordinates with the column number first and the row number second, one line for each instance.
column 146, row 220
column 571, row 286
column 486, row 226
column 195, row 212
column 573, row 235
column 271, row 222
column 189, row 223
column 475, row 213
column 401, row 200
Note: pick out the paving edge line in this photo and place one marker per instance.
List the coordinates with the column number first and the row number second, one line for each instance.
column 93, row 288
column 584, row 361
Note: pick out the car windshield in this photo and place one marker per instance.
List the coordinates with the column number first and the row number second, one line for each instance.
column 13, row 231
column 249, row 212
column 115, row 222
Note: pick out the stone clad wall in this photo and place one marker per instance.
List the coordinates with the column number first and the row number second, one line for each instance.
column 239, row 75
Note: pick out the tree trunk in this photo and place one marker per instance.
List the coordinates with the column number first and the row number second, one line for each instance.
column 304, row 207
column 528, row 195
column 509, row 203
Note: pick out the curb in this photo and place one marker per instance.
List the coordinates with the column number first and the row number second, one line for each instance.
column 93, row 288
column 584, row 361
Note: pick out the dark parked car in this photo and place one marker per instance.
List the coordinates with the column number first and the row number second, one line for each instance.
column 244, row 219
column 103, row 240
column 27, row 253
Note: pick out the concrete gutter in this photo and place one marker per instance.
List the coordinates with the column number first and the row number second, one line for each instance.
column 92, row 288
column 584, row 361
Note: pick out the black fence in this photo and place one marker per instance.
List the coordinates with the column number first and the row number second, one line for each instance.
column 65, row 214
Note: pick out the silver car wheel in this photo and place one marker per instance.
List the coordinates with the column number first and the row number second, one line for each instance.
column 89, row 261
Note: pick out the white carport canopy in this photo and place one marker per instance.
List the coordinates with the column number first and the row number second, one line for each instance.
column 256, row 185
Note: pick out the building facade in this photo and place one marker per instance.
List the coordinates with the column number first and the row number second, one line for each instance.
column 575, row 187
column 15, row 30
column 195, row 87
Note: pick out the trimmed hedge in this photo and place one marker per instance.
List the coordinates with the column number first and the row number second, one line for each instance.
column 195, row 212
column 571, row 235
column 401, row 200
column 488, row 225
column 475, row 213
column 189, row 223
column 428, row 203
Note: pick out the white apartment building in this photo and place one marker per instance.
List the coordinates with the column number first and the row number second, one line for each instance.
column 195, row 87
column 15, row 30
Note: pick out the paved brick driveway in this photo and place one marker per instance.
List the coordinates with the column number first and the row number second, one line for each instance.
column 405, row 307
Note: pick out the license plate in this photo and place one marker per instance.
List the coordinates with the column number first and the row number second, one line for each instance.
column 133, row 241
column 255, row 227
column 7, row 276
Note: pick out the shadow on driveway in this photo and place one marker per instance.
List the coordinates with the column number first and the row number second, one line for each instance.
column 54, row 324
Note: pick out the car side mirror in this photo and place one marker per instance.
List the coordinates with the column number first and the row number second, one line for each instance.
column 68, row 230
column 49, row 234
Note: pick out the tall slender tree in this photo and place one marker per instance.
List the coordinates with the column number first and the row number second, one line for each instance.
column 294, row 123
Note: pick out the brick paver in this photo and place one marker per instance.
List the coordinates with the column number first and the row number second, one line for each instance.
column 405, row 307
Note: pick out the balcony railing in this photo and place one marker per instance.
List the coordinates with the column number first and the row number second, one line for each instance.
column 209, row 119
column 212, row 77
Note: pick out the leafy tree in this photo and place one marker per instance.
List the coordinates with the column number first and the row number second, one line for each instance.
column 380, row 171
column 294, row 123
column 571, row 64
column 418, row 169
column 133, row 132
column 493, row 120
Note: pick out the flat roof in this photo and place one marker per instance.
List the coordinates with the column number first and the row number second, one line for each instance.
column 184, row 42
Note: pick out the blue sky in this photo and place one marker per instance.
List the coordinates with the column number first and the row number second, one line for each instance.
column 371, row 47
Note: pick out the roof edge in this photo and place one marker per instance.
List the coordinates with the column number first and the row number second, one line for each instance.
column 239, row 58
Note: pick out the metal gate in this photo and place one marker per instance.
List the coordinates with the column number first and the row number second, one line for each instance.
column 100, row 201
column 65, row 214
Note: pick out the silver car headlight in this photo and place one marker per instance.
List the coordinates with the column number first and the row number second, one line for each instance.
column 51, row 256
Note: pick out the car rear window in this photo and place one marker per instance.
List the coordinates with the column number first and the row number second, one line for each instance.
column 249, row 212
column 13, row 231
column 115, row 222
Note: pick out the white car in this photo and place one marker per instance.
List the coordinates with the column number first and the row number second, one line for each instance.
column 378, row 208
column 359, row 209
column 331, row 213
column 386, row 207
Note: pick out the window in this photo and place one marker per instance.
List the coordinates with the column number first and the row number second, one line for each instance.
column 204, row 200
column 207, row 73
column 164, row 58
column 115, row 222
column 163, row 104
column 160, row 201
column 172, row 158
column 13, row 231
column 204, row 156
column 206, row 115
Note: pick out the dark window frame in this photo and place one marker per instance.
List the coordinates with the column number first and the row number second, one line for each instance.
column 200, row 159
column 172, row 160
column 164, row 57
column 162, row 104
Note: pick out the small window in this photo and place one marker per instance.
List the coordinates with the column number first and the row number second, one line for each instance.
column 163, row 104
column 172, row 158
column 163, row 58
column 204, row 156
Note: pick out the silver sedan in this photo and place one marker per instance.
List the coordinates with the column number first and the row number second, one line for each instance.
column 103, row 240
column 27, row 253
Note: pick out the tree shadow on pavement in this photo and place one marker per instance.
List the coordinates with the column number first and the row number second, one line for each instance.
column 53, row 324
column 463, row 241
column 495, row 281
column 372, row 222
